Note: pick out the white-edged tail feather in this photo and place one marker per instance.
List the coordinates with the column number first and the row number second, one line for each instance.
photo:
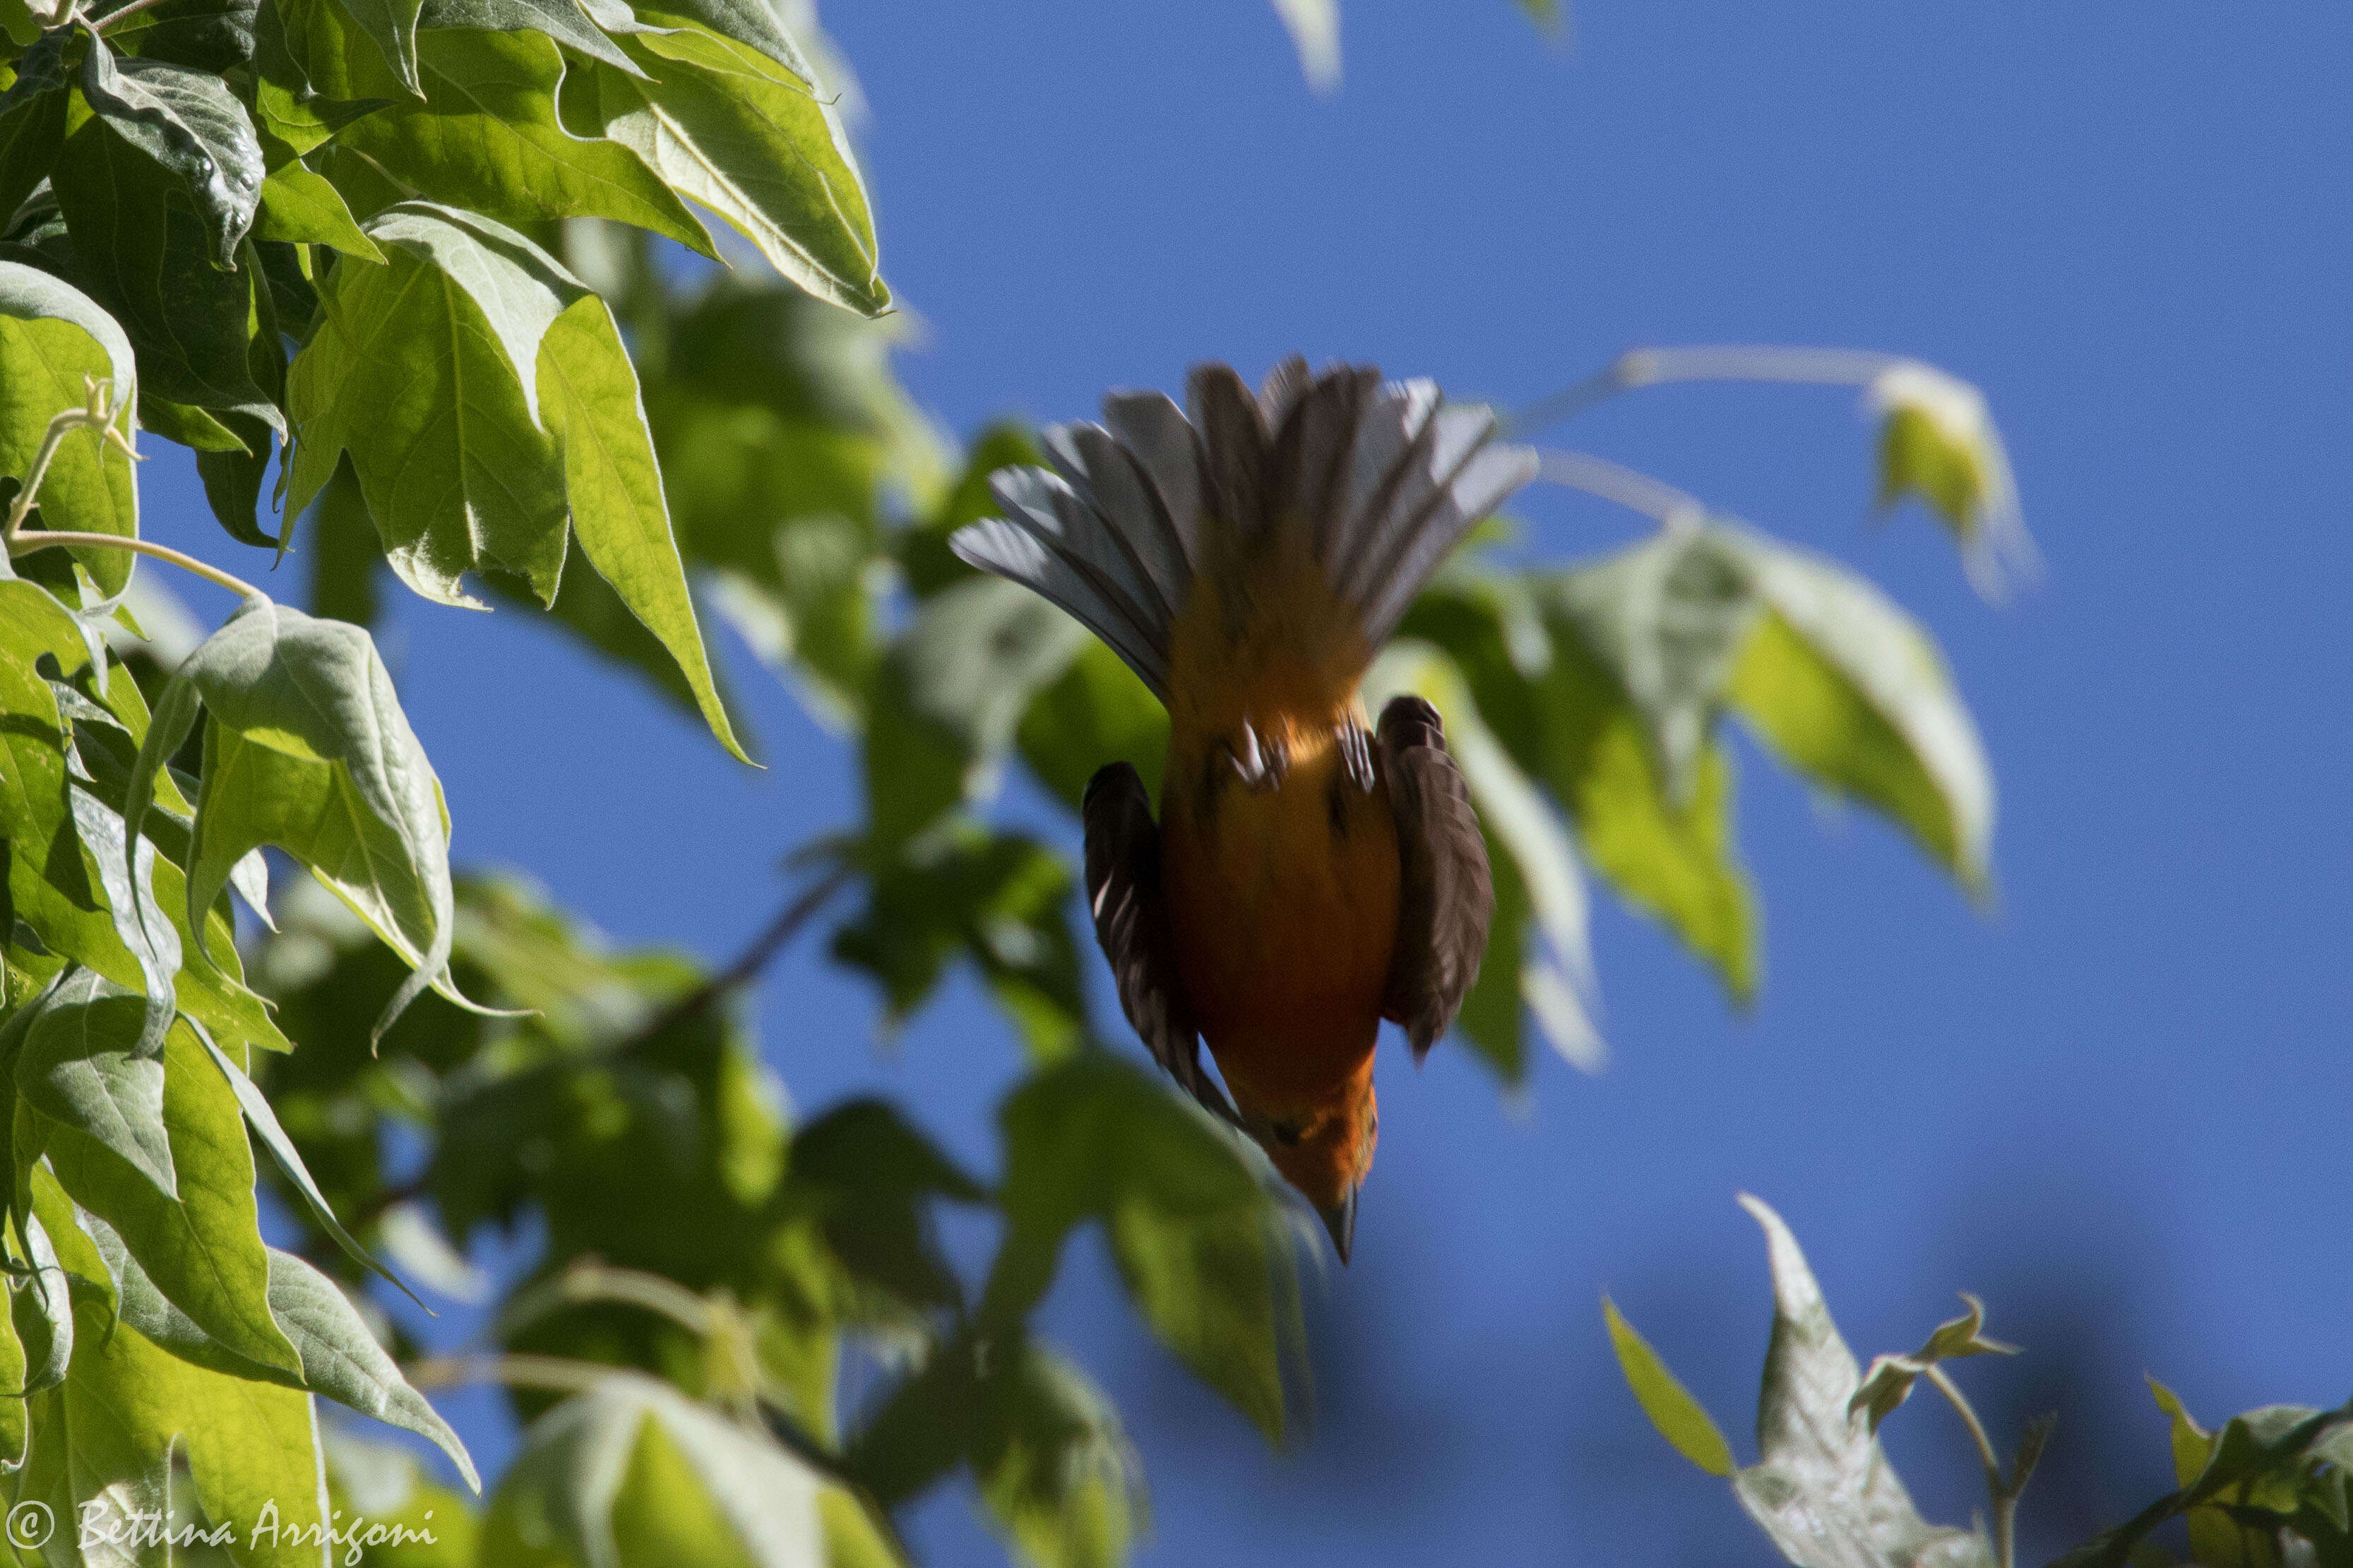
column 1384, row 480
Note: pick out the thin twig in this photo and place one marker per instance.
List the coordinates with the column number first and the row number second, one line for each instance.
column 97, row 414
column 754, row 958
column 23, row 542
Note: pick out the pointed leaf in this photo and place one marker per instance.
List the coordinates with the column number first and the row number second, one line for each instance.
column 192, row 125
column 452, row 481
column 306, row 748
column 753, row 140
column 81, row 1063
column 288, row 1160
column 1821, row 1488
column 1681, row 1419
column 1850, row 692
column 588, row 394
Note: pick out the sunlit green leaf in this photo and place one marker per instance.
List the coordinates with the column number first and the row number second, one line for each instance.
column 202, row 1248
column 306, row 748
column 1681, row 1419
column 486, row 138
column 1198, row 1237
column 757, row 142
column 588, row 396
column 633, row 1471
column 51, row 336
column 1850, row 692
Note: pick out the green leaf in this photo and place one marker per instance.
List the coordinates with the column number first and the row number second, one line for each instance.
column 871, row 1177
column 1668, row 619
column 346, row 552
column 589, row 393
column 563, row 20
column 51, row 336
column 306, row 748
column 452, row 481
column 1681, row 1419
column 1848, row 690
column 391, row 26
column 1889, row 1381
column 288, row 1160
column 33, row 119
column 951, row 693
column 633, row 1471
column 1056, row 1471
column 1002, row 901
column 488, row 138
column 203, row 35
column 106, row 1442
column 751, row 137
column 81, row 1064
column 40, row 1312
column 1937, row 441
column 386, row 1485
column 339, row 1358
column 2274, row 1474
column 1200, row 1241
column 191, row 125
column 202, row 1248
column 1821, row 1488
column 140, row 251
column 303, row 208
column 53, row 887
column 1677, row 861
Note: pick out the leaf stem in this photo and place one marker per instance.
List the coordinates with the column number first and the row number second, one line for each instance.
column 96, row 413
column 24, row 541
column 559, row 1374
column 99, row 24
column 2000, row 1492
column 1708, row 362
column 1672, row 509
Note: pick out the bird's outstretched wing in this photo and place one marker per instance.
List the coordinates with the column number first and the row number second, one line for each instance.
column 1132, row 924
column 1445, row 893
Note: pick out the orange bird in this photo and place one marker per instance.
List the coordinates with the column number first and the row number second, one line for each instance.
column 1308, row 875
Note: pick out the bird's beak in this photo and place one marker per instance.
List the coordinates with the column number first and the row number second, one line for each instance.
column 1340, row 1219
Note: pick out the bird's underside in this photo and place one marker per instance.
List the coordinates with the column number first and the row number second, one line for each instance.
column 1445, row 895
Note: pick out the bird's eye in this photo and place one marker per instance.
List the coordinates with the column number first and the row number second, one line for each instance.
column 1287, row 1134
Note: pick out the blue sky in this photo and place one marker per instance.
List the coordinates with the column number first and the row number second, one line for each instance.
column 2116, row 1109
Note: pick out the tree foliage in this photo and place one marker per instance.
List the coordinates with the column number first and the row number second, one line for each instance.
column 417, row 284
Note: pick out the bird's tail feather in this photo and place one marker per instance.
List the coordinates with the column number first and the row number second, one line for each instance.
column 1381, row 479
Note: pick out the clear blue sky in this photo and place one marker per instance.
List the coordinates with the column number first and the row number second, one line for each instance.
column 2117, row 1108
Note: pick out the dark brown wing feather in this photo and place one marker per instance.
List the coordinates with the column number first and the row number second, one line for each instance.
column 1445, row 893
column 1132, row 924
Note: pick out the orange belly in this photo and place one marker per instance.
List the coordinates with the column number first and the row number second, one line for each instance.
column 1283, row 905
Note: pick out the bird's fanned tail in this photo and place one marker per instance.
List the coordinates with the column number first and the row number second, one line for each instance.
column 1378, row 481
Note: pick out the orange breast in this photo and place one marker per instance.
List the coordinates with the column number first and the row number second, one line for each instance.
column 1284, row 907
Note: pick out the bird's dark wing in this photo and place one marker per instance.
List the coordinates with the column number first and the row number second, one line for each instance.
column 1132, row 924
column 1445, row 893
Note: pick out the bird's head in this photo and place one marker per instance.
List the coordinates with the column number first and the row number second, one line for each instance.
column 1323, row 1146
